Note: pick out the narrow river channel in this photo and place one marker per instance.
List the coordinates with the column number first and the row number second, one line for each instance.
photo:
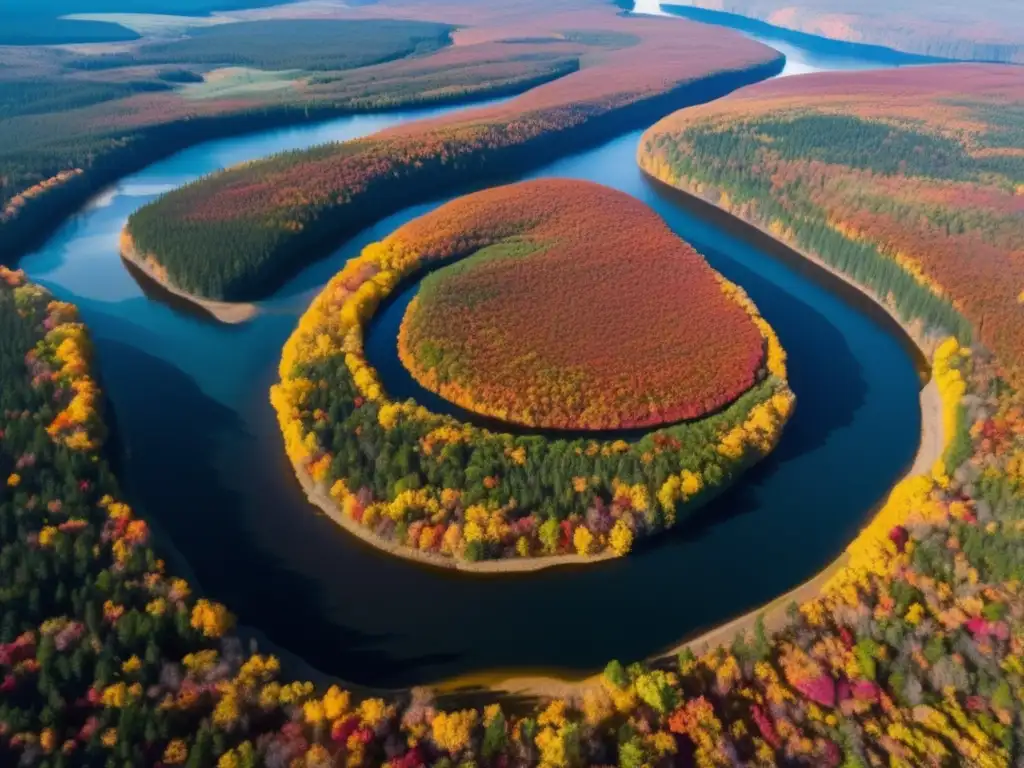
column 199, row 452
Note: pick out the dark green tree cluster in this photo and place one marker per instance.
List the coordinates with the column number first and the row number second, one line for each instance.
column 53, row 124
column 387, row 461
column 36, row 96
column 307, row 44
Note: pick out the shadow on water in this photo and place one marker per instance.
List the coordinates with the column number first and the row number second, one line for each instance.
column 215, row 476
column 176, row 479
column 754, row 237
column 153, row 291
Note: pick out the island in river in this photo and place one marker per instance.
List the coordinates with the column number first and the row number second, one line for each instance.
column 430, row 487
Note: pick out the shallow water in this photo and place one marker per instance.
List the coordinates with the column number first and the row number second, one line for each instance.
column 201, row 454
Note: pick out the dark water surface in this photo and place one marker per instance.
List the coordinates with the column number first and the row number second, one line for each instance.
column 201, row 454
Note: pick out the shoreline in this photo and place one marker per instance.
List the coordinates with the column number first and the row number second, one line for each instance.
column 512, row 159
column 229, row 312
column 808, row 265
column 320, row 499
column 930, row 448
column 163, row 140
column 773, row 612
column 555, row 684
column 500, row 684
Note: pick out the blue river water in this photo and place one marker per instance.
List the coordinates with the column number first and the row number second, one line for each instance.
column 200, row 453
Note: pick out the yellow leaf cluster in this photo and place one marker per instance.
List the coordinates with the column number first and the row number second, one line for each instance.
column 176, row 752
column 620, row 538
column 212, row 619
column 452, row 731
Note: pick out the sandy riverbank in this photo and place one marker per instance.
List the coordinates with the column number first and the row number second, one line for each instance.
column 229, row 312
column 319, row 497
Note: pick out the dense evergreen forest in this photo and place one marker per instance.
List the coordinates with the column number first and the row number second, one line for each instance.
column 88, row 616
column 59, row 119
column 36, row 96
column 835, row 140
column 306, row 44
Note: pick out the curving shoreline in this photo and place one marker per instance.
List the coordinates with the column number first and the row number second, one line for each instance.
column 930, row 449
column 230, row 312
column 699, row 458
column 807, row 264
column 552, row 685
column 773, row 613
column 415, row 169
column 538, row 684
column 319, row 498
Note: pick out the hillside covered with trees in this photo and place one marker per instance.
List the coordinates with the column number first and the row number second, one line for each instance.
column 911, row 653
column 909, row 181
column 985, row 30
column 73, row 122
column 236, row 234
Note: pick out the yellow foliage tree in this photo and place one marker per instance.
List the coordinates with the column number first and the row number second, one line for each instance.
column 583, row 540
column 452, row 731
column 620, row 538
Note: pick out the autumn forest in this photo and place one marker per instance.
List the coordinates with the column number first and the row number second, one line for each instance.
column 575, row 355
column 437, row 488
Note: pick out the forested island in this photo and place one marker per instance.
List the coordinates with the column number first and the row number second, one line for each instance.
column 236, row 235
column 427, row 486
column 574, row 312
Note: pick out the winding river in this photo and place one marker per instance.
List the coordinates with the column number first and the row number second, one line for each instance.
column 199, row 452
